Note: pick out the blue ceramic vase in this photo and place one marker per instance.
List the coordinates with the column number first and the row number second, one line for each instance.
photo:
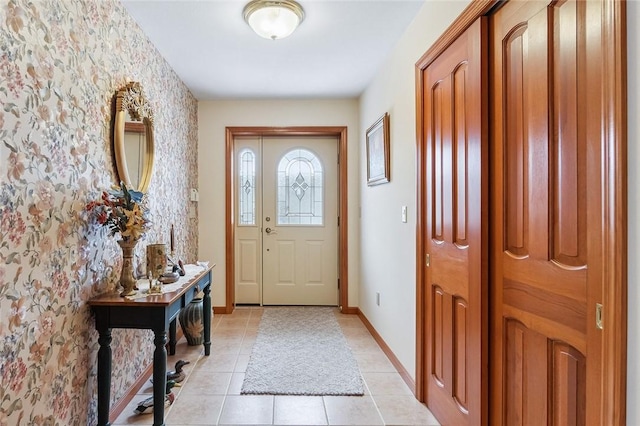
column 191, row 322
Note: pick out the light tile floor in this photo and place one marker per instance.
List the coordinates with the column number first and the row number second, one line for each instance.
column 210, row 395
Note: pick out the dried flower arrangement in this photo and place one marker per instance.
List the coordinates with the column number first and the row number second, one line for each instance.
column 122, row 210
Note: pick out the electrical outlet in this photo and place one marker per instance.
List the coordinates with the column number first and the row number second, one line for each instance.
column 378, row 298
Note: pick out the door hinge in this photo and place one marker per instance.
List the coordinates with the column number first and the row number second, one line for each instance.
column 428, row 260
column 599, row 319
column 338, row 283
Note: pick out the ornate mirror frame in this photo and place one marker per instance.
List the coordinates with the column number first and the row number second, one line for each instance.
column 131, row 103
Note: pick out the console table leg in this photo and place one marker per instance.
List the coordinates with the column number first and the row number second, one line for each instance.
column 172, row 337
column 104, row 376
column 206, row 318
column 159, row 376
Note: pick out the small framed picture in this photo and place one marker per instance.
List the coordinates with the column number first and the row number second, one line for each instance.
column 378, row 151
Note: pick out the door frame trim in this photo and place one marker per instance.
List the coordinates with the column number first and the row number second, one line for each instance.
column 614, row 179
column 340, row 132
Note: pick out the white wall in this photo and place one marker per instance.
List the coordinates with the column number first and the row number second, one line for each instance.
column 214, row 116
column 387, row 262
column 633, row 334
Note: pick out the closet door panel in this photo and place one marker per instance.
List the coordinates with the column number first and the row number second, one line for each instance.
column 456, row 285
column 540, row 259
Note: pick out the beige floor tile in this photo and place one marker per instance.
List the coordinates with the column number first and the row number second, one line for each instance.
column 351, row 410
column 226, row 332
column 257, row 310
column 202, row 410
column 348, row 321
column 239, row 312
column 254, row 323
column 186, row 352
column 404, row 410
column 246, row 348
column 241, row 364
column 356, row 333
column 376, row 350
column 363, row 344
column 247, row 410
column 248, row 342
column 226, row 343
column 236, row 384
column 234, row 322
column 226, row 336
column 217, row 362
column 206, row 383
column 299, row 410
column 250, row 334
column 215, row 320
column 374, row 362
column 386, row 384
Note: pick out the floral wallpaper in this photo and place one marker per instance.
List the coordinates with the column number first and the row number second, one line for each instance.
column 61, row 62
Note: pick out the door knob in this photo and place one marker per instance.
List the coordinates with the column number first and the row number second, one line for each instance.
column 268, row 230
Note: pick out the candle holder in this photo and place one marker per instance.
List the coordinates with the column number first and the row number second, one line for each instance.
column 156, row 265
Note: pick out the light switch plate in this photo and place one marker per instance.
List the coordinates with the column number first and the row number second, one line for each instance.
column 404, row 214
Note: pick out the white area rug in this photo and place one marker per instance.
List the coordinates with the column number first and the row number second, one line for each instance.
column 301, row 351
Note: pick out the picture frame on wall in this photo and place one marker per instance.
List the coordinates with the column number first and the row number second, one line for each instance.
column 377, row 141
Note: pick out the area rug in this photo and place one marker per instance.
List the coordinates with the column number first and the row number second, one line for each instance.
column 301, row 351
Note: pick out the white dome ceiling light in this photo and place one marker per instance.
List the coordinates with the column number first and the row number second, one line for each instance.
column 273, row 19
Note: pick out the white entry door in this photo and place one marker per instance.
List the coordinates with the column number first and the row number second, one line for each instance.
column 296, row 223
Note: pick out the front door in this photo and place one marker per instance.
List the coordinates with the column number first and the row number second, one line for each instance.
column 300, row 221
column 287, row 248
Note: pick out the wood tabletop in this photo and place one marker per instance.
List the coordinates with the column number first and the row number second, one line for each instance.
column 114, row 299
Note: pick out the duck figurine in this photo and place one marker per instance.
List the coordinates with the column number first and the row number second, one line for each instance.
column 178, row 375
column 146, row 406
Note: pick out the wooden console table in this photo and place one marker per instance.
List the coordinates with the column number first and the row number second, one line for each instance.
column 157, row 313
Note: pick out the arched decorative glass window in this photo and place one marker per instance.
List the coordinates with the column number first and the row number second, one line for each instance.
column 300, row 189
column 247, row 187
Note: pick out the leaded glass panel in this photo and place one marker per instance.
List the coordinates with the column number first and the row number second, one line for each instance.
column 300, row 189
column 247, row 188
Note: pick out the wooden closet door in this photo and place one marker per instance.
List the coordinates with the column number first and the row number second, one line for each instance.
column 547, row 210
column 456, row 289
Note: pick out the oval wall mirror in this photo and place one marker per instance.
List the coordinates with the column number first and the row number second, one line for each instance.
column 133, row 142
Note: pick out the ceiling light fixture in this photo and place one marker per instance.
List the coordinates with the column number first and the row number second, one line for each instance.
column 273, row 19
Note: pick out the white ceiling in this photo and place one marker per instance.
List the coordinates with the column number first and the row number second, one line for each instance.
column 333, row 54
